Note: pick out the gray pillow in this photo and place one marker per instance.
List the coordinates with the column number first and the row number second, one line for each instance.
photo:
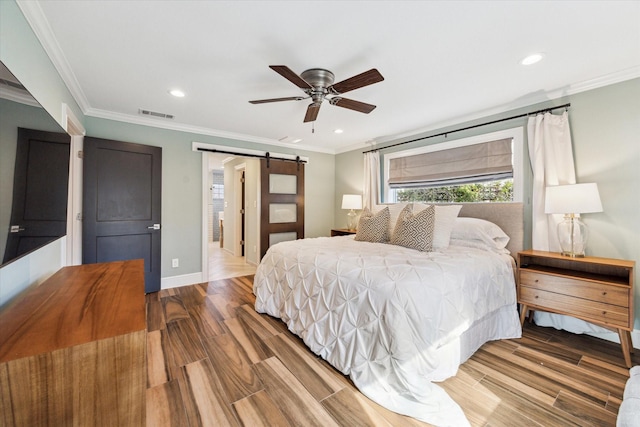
column 415, row 231
column 373, row 227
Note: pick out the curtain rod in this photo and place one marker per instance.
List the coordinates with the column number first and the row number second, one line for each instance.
column 471, row 127
column 260, row 156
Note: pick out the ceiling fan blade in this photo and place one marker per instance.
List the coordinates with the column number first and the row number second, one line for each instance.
column 286, row 72
column 290, row 98
column 312, row 112
column 363, row 79
column 352, row 105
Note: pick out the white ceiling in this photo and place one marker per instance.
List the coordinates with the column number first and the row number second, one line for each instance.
column 443, row 61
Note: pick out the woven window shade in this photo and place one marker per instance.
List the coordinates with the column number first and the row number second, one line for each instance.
column 487, row 161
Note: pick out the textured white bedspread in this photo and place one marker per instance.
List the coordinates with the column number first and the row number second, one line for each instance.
column 379, row 313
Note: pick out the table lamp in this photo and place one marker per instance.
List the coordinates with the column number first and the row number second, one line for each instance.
column 572, row 200
column 351, row 201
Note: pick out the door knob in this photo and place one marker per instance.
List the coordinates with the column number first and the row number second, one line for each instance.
column 154, row 227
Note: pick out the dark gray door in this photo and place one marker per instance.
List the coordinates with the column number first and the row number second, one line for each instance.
column 41, row 183
column 121, row 198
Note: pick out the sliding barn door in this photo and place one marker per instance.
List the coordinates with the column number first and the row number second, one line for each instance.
column 282, row 202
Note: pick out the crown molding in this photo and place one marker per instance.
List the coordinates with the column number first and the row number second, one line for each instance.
column 40, row 25
column 609, row 79
column 37, row 20
column 22, row 97
column 180, row 127
column 527, row 101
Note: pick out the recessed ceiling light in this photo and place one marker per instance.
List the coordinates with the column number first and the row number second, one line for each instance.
column 532, row 59
column 338, row 131
column 177, row 93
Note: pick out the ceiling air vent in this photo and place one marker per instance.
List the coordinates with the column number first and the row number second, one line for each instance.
column 155, row 114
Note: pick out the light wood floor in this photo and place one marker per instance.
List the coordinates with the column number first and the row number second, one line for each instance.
column 222, row 264
column 214, row 361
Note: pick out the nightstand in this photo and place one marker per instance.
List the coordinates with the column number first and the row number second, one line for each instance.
column 597, row 290
column 342, row 232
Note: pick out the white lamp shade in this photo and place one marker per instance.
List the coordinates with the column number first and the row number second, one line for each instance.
column 351, row 201
column 572, row 199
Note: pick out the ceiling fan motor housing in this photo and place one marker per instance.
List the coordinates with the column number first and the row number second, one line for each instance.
column 320, row 79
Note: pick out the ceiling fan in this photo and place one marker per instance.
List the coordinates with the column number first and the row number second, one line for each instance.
column 317, row 84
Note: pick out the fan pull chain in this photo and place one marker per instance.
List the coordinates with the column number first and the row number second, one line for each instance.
column 313, row 127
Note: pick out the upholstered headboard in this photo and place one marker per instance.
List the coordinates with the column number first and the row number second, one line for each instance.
column 507, row 215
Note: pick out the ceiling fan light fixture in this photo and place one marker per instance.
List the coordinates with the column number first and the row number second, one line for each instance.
column 532, row 59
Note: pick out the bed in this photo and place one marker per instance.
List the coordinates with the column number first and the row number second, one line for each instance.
column 397, row 319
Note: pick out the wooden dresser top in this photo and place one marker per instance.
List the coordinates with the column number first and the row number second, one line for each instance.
column 76, row 305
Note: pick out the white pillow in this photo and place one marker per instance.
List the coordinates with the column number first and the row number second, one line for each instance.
column 481, row 230
column 445, row 219
column 478, row 244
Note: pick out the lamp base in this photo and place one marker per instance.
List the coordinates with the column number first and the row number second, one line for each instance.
column 573, row 235
column 351, row 220
column 572, row 255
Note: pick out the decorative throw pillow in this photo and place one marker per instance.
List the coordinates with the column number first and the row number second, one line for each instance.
column 373, row 227
column 415, row 231
column 445, row 218
column 394, row 211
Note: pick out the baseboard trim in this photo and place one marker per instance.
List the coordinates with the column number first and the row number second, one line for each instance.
column 182, row 280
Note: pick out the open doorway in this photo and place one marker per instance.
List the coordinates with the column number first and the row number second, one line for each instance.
column 277, row 207
column 229, row 215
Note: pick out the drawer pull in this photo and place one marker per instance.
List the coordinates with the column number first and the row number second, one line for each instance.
column 604, row 313
column 536, row 296
column 604, row 293
column 536, row 281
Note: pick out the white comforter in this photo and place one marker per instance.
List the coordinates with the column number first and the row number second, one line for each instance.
column 382, row 314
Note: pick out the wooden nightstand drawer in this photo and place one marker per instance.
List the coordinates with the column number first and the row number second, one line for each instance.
column 598, row 290
column 580, row 288
column 598, row 312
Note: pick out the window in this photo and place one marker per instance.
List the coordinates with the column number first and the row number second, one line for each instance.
column 217, row 191
column 481, row 168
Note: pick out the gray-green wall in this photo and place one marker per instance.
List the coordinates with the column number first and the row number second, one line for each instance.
column 605, row 123
column 25, row 57
column 22, row 53
column 605, row 126
column 182, row 187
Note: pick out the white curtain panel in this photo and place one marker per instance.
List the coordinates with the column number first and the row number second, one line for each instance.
column 551, row 154
column 371, row 191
